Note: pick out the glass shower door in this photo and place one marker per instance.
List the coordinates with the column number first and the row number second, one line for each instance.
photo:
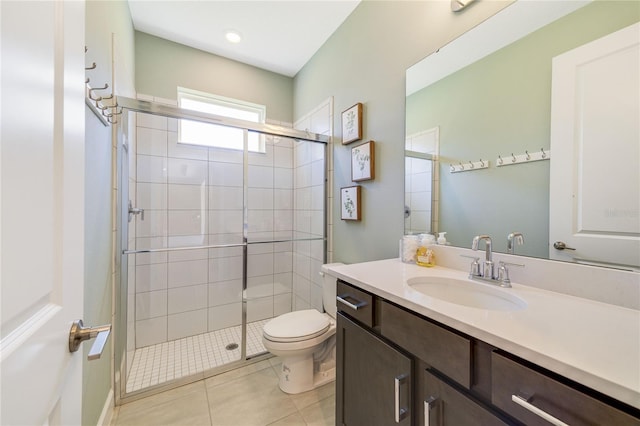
column 215, row 242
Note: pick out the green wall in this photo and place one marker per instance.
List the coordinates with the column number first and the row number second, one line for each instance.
column 162, row 66
column 365, row 61
column 496, row 106
column 103, row 19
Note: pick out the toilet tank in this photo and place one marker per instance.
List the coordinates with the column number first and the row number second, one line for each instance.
column 329, row 291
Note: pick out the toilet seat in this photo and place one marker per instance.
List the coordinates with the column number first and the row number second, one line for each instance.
column 296, row 326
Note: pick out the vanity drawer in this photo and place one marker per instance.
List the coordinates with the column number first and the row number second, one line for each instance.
column 511, row 379
column 445, row 406
column 356, row 303
column 444, row 350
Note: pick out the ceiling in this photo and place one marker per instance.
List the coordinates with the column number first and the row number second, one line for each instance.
column 279, row 36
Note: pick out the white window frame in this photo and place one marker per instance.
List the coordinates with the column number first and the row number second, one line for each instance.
column 256, row 140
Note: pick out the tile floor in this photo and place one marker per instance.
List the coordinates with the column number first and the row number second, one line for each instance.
column 164, row 362
column 248, row 396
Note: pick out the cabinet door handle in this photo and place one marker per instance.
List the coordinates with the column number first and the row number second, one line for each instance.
column 355, row 307
column 428, row 406
column 537, row 411
column 400, row 413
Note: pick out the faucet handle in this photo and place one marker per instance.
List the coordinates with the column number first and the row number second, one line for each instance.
column 474, row 271
column 503, row 273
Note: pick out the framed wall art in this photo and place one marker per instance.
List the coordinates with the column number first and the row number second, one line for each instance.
column 352, row 124
column 350, row 203
column 363, row 162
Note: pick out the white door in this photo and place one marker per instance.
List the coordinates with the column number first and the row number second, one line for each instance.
column 595, row 140
column 42, row 210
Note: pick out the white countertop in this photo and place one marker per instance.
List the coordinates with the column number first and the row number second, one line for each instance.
column 590, row 342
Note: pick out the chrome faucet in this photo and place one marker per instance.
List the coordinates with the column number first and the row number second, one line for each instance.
column 512, row 239
column 486, row 270
column 487, row 266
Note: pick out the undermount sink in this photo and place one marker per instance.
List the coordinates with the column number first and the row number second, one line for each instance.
column 467, row 293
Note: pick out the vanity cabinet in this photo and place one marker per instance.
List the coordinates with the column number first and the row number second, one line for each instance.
column 395, row 366
column 375, row 379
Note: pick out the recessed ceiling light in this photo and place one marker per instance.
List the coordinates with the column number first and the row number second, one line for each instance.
column 233, row 36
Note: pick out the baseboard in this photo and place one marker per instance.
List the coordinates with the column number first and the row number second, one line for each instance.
column 107, row 411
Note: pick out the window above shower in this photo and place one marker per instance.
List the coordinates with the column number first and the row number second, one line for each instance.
column 205, row 134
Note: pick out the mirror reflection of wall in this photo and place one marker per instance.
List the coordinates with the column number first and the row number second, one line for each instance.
column 500, row 105
column 421, row 181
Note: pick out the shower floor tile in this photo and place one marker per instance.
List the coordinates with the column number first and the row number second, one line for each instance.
column 153, row 365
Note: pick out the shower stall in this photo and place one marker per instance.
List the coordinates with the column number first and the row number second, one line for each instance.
column 213, row 241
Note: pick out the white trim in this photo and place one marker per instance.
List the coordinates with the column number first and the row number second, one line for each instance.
column 106, row 416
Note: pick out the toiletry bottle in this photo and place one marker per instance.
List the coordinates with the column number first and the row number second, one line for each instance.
column 425, row 255
column 441, row 238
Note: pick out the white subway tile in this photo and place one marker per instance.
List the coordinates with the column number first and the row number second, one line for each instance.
column 225, row 292
column 226, row 155
column 186, row 299
column 283, row 283
column 152, row 169
column 317, row 173
column 225, row 268
column 259, row 309
column 151, row 304
column 151, row 121
column 260, row 199
column 281, row 304
column 187, row 273
column 151, row 277
column 261, row 286
column 225, row 221
column 187, row 324
column 283, row 157
column 282, row 262
column 152, row 141
column 187, row 197
column 283, row 178
column 225, row 198
column 259, row 264
column 283, row 199
column 151, row 331
column 225, row 174
column 262, row 158
column 151, row 196
column 193, row 172
column 153, row 225
column 261, row 221
column 225, row 316
column 187, row 222
column 261, row 177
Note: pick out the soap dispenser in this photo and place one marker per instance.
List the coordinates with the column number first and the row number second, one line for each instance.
column 441, row 238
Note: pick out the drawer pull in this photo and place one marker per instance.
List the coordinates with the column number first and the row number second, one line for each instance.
column 537, row 411
column 355, row 306
column 400, row 413
column 428, row 406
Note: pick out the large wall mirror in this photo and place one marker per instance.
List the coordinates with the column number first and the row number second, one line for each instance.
column 485, row 127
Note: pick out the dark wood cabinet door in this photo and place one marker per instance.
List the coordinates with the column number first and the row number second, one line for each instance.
column 374, row 380
column 446, row 406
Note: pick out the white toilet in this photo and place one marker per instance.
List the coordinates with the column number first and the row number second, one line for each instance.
column 306, row 342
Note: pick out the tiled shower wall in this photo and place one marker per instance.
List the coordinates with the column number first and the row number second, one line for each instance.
column 421, row 182
column 193, row 196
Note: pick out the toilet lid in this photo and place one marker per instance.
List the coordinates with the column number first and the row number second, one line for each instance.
column 296, row 326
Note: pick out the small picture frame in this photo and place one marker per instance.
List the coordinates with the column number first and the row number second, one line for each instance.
column 363, row 162
column 350, row 203
column 352, row 124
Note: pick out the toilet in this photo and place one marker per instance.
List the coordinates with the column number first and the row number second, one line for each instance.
column 305, row 341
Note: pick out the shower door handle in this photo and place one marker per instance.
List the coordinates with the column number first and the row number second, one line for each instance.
column 135, row 211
